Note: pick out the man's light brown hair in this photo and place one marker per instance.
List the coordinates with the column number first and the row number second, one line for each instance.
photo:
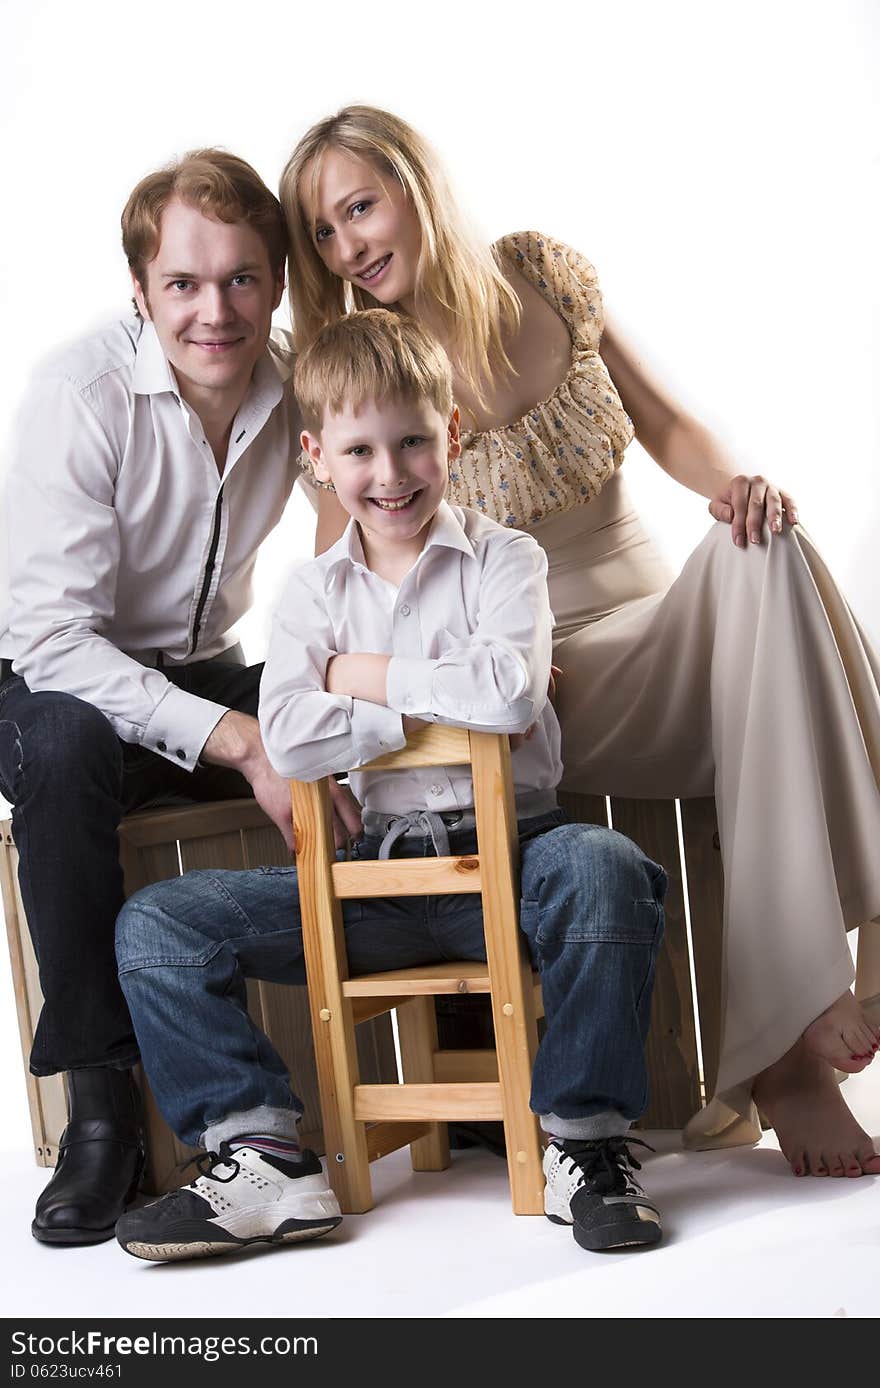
column 371, row 355
column 218, row 185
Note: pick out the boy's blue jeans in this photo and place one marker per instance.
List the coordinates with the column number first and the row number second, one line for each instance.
column 591, row 911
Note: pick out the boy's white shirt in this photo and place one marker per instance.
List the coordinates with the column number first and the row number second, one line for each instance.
column 469, row 632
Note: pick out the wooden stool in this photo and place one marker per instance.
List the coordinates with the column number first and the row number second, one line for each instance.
column 365, row 1121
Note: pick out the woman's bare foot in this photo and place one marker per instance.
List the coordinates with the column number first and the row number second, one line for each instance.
column 843, row 1035
column 801, row 1099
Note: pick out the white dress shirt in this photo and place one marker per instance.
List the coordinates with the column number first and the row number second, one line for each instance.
column 125, row 541
column 469, row 632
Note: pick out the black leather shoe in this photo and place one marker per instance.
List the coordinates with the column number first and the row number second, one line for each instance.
column 100, row 1160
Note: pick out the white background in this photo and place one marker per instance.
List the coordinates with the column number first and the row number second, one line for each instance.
column 717, row 161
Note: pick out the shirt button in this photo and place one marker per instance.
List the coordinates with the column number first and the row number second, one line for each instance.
column 181, row 754
column 436, row 790
column 161, row 747
column 404, row 609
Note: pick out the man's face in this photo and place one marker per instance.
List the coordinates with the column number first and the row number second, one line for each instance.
column 210, row 294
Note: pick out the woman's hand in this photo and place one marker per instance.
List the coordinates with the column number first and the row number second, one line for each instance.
column 744, row 503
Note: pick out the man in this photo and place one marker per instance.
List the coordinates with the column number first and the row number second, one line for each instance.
column 149, row 462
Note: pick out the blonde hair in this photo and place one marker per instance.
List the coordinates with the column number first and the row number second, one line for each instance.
column 218, row 185
column 371, row 354
column 458, row 279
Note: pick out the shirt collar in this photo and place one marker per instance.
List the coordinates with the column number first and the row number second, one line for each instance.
column 446, row 531
column 152, row 373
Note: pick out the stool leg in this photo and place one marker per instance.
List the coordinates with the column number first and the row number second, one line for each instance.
column 348, row 1165
column 513, row 1010
column 417, row 1032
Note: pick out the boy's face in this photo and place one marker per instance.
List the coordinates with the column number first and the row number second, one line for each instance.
column 389, row 463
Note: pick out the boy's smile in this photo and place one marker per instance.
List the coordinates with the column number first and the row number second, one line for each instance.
column 389, row 463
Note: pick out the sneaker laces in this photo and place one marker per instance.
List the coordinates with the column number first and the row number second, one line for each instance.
column 607, row 1163
column 206, row 1162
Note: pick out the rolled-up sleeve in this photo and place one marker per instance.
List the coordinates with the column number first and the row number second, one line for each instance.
column 307, row 732
column 495, row 679
column 63, row 560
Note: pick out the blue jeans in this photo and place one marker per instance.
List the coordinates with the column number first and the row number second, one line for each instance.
column 591, row 911
column 70, row 780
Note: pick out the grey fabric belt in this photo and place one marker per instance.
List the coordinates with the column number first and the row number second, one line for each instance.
column 436, row 824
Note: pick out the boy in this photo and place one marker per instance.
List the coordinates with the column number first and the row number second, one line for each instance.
column 420, row 612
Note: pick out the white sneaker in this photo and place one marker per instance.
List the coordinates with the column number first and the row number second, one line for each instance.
column 593, row 1187
column 239, row 1198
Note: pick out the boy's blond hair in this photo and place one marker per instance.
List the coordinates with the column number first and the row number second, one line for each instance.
column 371, row 355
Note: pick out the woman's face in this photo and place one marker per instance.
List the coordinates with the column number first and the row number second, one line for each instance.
column 366, row 230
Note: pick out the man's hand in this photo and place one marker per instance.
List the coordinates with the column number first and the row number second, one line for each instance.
column 347, row 822
column 236, row 742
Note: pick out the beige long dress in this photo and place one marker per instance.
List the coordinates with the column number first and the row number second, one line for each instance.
column 746, row 676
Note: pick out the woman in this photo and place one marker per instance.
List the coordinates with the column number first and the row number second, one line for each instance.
column 745, row 677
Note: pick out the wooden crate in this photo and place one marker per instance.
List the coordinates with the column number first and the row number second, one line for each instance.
column 681, row 1075
column 156, row 845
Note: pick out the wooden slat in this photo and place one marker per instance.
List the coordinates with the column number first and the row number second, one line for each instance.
column 671, row 1051
column 264, row 847
column 584, row 809
column 46, row 1100
column 537, row 996
column 192, row 821
column 374, row 1041
column 406, row 877
column 702, row 855
column 456, row 1067
column 384, row 1102
column 158, row 862
column 417, row 1031
column 868, row 965
column 383, row 1138
column 364, row 1009
column 221, row 851
column 166, row 1154
column 462, row 976
column 434, row 746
